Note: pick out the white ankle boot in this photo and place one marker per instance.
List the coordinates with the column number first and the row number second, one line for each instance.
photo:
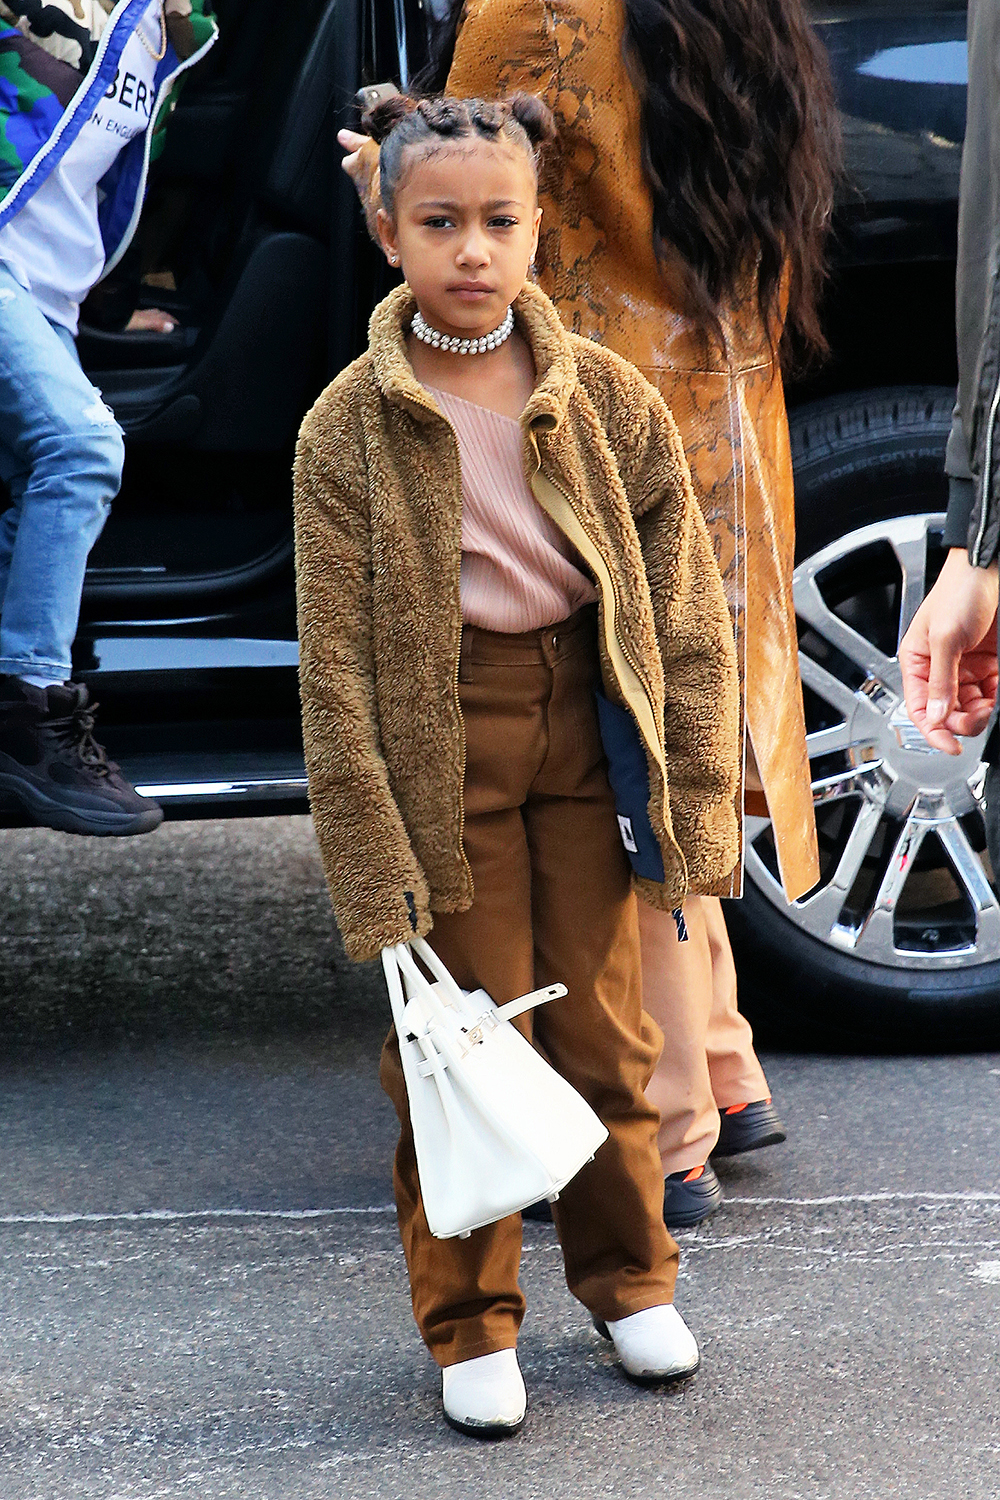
column 654, row 1345
column 485, row 1397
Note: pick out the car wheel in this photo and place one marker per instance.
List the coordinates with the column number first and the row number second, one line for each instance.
column 899, row 943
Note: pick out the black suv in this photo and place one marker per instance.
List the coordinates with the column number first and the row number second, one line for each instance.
column 252, row 238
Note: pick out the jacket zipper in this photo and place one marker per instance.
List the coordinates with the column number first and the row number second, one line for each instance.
column 618, row 604
column 461, row 784
column 77, row 107
column 640, row 677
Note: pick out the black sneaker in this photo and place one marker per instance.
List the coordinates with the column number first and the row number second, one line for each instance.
column 748, row 1127
column 51, row 762
column 690, row 1196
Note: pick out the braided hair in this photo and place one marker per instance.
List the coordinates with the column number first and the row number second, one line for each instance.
column 401, row 122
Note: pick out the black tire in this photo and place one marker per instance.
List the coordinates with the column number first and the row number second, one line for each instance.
column 859, row 459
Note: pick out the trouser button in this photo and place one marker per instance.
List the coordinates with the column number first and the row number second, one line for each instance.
column 555, row 642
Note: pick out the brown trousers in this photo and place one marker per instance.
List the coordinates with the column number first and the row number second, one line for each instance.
column 708, row 1061
column 552, row 902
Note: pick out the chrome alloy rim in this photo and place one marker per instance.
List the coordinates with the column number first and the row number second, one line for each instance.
column 905, row 882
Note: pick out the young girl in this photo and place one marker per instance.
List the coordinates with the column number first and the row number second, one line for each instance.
column 689, row 251
column 480, row 500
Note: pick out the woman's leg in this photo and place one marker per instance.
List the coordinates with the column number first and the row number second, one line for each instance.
column 736, row 1074
column 678, row 991
column 708, row 1061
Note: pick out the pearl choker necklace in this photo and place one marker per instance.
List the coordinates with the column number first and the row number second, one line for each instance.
column 423, row 331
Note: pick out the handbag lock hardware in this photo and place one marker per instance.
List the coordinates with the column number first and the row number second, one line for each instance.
column 487, row 1022
column 472, row 1037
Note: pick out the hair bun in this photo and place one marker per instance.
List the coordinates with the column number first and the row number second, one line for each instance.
column 447, row 117
column 534, row 117
column 401, row 122
column 384, row 116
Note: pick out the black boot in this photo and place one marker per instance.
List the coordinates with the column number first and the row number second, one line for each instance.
column 51, row 762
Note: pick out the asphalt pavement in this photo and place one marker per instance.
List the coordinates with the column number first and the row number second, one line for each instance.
column 202, row 1290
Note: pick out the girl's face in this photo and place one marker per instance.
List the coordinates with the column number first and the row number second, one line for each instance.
column 465, row 231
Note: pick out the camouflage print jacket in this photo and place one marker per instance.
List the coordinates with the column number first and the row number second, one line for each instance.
column 57, row 60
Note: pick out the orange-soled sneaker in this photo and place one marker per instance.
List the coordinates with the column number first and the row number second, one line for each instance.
column 690, row 1196
column 748, row 1127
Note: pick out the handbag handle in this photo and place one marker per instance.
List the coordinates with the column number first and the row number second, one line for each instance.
column 405, row 961
column 530, row 1001
column 397, row 1000
column 425, row 952
column 408, row 966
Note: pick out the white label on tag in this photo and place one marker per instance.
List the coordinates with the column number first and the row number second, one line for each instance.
column 628, row 839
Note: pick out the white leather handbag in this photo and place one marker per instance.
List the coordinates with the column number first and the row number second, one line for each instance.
column 495, row 1127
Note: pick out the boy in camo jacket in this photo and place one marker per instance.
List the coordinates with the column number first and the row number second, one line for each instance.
column 85, row 89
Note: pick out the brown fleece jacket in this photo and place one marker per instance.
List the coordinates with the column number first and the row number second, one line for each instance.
column 378, row 513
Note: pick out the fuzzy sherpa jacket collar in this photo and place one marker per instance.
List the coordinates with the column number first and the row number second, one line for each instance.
column 555, row 367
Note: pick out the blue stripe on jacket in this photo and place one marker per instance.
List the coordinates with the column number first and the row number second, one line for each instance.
column 102, row 75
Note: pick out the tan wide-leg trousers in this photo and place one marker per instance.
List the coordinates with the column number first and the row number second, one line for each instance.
column 552, row 901
column 708, row 1062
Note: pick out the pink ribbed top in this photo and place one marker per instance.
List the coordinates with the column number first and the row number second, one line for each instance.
column 518, row 570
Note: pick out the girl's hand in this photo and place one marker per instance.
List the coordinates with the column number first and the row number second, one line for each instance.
column 948, row 656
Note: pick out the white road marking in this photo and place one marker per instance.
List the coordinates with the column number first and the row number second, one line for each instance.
column 970, row 1197
column 172, row 1216
column 988, row 1270
column 175, row 1216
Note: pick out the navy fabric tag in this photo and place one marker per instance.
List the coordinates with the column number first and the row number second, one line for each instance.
column 628, row 774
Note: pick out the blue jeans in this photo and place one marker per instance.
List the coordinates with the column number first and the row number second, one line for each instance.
column 61, row 453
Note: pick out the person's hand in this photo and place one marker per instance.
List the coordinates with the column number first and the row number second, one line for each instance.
column 948, row 656
column 354, row 163
column 150, row 320
column 361, row 166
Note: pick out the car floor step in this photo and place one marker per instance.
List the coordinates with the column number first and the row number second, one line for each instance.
column 186, row 783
